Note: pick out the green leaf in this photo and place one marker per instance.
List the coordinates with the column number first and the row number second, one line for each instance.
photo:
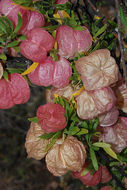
column 74, row 117
column 5, row 75
column 14, row 70
column 111, row 152
column 84, row 125
column 100, row 31
column 73, row 130
column 80, row 28
column 17, row 28
column 33, row 119
column 54, row 139
column 123, row 17
column 102, row 145
column 94, row 159
column 13, row 44
column 21, row 38
column 82, row 132
column 3, row 57
column 46, row 136
column 86, row 170
column 96, row 122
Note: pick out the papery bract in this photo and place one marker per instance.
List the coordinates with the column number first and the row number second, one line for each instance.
column 109, row 118
column 62, row 73
column 93, row 103
column 120, row 91
column 71, row 41
column 97, row 70
column 43, row 74
column 88, row 179
column 51, row 117
column 37, row 44
column 65, row 155
column 35, row 146
column 15, row 91
column 116, row 135
column 61, row 1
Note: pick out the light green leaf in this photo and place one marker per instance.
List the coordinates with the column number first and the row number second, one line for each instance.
column 46, row 136
column 86, row 170
column 82, row 132
column 94, row 159
column 102, row 145
column 33, row 119
column 5, row 75
column 54, row 139
column 13, row 44
column 100, row 31
column 80, row 28
column 123, row 17
column 21, row 38
column 111, row 152
column 3, row 57
column 17, row 28
column 84, row 125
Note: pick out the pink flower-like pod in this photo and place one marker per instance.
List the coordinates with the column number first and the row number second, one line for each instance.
column 31, row 19
column 1, row 70
column 15, row 91
column 37, row 44
column 35, row 147
column 116, row 135
column 88, row 179
column 106, row 176
column 51, row 117
column 93, row 103
column 66, row 155
column 8, row 8
column 62, row 73
column 97, row 70
column 109, row 118
column 71, row 41
column 61, row 1
column 43, row 74
column 120, row 91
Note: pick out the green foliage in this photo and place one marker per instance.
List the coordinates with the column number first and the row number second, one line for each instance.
column 46, row 136
column 33, row 119
column 123, row 18
column 26, row 3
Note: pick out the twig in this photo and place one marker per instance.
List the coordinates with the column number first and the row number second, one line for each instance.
column 120, row 42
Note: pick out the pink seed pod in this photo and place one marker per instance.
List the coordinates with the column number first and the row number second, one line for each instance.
column 37, row 44
column 43, row 74
column 109, row 118
column 71, row 41
column 115, row 135
column 1, row 70
column 88, row 179
column 51, row 117
column 62, row 73
column 90, row 104
column 61, row 1
column 66, row 155
column 97, row 70
column 106, row 176
column 15, row 91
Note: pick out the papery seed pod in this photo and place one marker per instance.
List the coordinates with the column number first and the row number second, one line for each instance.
column 1, row 70
column 115, row 135
column 93, row 103
column 35, row 147
column 109, row 118
column 65, row 92
column 120, row 91
column 68, row 154
column 97, row 70
column 51, row 117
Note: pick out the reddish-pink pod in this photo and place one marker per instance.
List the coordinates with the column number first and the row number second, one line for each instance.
column 62, row 73
column 71, row 41
column 106, row 176
column 51, row 117
column 15, row 91
column 35, row 20
column 19, row 88
column 61, row 1
column 33, row 51
column 43, row 74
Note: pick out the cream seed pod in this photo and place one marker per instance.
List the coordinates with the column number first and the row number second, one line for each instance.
column 65, row 155
column 1, row 71
column 34, row 145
